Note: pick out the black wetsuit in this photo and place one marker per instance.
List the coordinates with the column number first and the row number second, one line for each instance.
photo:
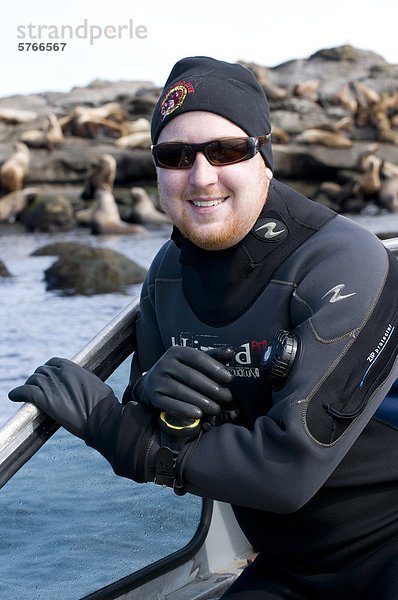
column 311, row 471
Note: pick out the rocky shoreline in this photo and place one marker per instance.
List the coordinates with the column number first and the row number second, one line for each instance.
column 335, row 90
column 335, row 138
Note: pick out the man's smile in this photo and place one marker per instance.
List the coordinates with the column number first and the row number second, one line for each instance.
column 207, row 202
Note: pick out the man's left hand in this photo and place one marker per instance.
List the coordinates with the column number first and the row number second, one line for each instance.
column 65, row 391
column 126, row 435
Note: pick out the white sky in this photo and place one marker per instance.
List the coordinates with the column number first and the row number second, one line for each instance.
column 256, row 30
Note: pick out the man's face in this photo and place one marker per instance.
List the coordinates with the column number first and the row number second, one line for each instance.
column 214, row 207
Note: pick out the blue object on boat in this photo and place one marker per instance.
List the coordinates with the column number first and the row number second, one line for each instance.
column 388, row 410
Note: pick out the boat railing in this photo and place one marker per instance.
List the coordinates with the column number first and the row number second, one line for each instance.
column 26, row 431
column 391, row 244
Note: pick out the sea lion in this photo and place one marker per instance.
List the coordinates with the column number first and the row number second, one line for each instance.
column 136, row 126
column 323, row 137
column 307, row 89
column 15, row 202
column 345, row 97
column 388, row 195
column 388, row 170
column 102, row 176
column 273, row 92
column 84, row 216
column 364, row 95
column 328, row 194
column 369, row 183
column 110, row 110
column 140, row 139
column 380, row 119
column 49, row 138
column 14, row 116
column 89, row 122
column 106, row 218
column 15, row 168
column 279, row 135
column 143, row 210
column 343, row 125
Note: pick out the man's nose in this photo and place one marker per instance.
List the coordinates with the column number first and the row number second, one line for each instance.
column 202, row 173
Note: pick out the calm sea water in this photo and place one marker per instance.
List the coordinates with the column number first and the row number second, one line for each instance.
column 68, row 525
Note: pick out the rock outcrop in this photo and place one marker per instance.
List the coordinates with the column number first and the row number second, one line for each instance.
column 325, row 110
column 4, row 272
column 83, row 269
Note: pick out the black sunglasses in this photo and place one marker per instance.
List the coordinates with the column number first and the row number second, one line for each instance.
column 225, row 151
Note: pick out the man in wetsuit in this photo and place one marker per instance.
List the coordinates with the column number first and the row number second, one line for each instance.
column 273, row 321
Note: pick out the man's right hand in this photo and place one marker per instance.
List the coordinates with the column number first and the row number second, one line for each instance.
column 187, row 383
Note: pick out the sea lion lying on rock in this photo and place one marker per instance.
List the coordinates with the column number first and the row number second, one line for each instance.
column 50, row 138
column 279, row 135
column 307, row 89
column 106, row 218
column 14, row 116
column 273, row 92
column 136, row 126
column 15, row 168
column 323, row 137
column 89, row 122
column 139, row 139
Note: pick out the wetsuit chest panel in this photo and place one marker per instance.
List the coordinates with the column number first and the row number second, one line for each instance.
column 248, row 336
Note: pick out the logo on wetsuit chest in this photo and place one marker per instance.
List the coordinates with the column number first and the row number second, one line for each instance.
column 336, row 293
column 270, row 230
column 247, row 356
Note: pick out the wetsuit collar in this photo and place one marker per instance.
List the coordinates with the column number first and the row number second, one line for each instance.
column 221, row 285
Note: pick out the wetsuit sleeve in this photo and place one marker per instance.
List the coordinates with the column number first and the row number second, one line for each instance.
column 344, row 312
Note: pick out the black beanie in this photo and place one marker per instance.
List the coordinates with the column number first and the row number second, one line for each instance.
column 226, row 89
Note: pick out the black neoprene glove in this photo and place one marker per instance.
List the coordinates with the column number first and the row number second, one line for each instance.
column 187, row 383
column 126, row 435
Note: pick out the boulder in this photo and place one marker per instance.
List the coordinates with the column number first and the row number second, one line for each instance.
column 4, row 272
column 83, row 269
column 48, row 212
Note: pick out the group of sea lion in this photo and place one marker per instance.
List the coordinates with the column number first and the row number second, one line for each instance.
column 103, row 215
column 377, row 182
column 12, row 176
column 366, row 107
column 108, row 120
